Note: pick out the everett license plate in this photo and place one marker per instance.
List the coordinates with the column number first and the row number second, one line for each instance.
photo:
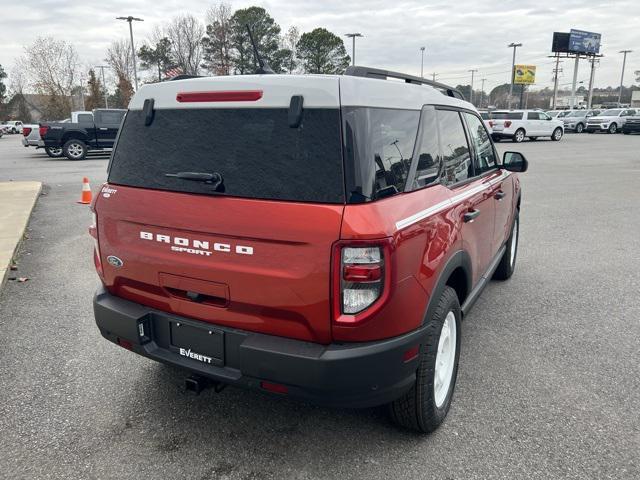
column 202, row 344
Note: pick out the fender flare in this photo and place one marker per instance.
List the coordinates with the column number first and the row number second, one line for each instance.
column 74, row 135
column 459, row 259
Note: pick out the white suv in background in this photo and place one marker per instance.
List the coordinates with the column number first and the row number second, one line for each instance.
column 519, row 124
column 610, row 121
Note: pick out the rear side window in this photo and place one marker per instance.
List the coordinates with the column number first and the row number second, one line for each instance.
column 110, row 118
column 85, row 118
column 379, row 143
column 533, row 116
column 254, row 150
column 427, row 150
column 507, row 115
column 456, row 156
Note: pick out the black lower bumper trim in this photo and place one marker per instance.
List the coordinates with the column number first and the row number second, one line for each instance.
column 345, row 375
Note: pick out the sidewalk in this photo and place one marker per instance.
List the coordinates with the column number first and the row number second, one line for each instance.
column 17, row 199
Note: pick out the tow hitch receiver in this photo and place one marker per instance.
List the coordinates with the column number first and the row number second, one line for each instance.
column 196, row 384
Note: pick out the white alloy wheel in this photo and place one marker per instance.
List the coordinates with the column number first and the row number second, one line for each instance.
column 445, row 359
column 519, row 136
column 75, row 150
column 514, row 242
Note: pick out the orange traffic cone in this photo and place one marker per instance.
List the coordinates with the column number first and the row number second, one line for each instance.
column 85, row 198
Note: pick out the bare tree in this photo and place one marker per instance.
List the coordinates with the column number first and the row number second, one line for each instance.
column 185, row 32
column 217, row 41
column 119, row 59
column 289, row 49
column 50, row 67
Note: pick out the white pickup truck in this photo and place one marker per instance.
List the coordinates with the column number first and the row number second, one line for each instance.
column 12, row 126
column 520, row 124
column 31, row 135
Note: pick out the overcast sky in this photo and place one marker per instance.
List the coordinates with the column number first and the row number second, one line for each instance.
column 458, row 35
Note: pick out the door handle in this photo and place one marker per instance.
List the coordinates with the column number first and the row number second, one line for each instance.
column 470, row 216
column 499, row 195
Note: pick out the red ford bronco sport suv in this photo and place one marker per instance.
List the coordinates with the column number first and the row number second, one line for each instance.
column 316, row 236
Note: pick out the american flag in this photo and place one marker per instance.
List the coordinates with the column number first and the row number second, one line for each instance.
column 173, row 71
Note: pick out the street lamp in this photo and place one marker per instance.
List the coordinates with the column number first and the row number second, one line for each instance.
column 624, row 64
column 353, row 36
column 422, row 63
column 513, row 69
column 131, row 19
column 104, row 84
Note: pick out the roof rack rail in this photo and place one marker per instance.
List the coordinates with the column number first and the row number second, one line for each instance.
column 368, row 72
column 184, row 77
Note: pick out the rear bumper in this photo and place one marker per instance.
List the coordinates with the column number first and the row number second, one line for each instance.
column 343, row 375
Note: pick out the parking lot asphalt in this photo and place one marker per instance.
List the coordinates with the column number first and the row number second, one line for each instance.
column 548, row 385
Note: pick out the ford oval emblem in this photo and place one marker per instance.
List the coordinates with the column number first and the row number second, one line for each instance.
column 114, row 261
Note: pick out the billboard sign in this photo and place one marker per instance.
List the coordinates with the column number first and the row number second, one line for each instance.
column 524, row 75
column 560, row 42
column 584, row 42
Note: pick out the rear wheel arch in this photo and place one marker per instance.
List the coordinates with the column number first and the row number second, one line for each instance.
column 74, row 136
column 457, row 274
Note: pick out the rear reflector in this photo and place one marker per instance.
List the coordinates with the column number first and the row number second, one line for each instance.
column 274, row 387
column 125, row 343
column 411, row 354
column 224, row 96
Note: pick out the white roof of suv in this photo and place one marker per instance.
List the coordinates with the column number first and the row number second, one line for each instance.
column 276, row 90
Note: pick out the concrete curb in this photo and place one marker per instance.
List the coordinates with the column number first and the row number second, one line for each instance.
column 18, row 200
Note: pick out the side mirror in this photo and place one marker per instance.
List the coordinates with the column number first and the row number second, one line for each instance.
column 514, row 162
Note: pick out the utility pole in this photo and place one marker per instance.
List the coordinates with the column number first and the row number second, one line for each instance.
column 353, row 36
column 422, row 63
column 591, row 78
column 624, row 64
column 104, row 84
column 575, row 81
column 82, row 90
column 131, row 19
column 482, row 93
column 555, row 80
column 434, row 76
column 473, row 71
column 513, row 69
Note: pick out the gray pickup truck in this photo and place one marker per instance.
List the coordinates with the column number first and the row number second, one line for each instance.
column 92, row 131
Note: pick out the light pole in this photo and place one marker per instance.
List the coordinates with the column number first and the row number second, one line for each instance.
column 624, row 64
column 82, row 90
column 513, row 69
column 473, row 71
column 104, row 84
column 131, row 19
column 422, row 63
column 353, row 36
column 482, row 92
column 591, row 78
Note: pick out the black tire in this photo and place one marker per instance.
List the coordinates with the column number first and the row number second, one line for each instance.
column 579, row 128
column 518, row 137
column 417, row 409
column 507, row 263
column 613, row 128
column 54, row 152
column 556, row 136
column 590, row 131
column 75, row 149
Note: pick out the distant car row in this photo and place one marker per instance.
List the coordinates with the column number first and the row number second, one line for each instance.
column 520, row 124
column 74, row 136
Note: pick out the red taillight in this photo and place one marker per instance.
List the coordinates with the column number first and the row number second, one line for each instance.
column 43, row 131
column 491, row 124
column 507, row 124
column 274, row 387
column 26, row 131
column 224, row 96
column 361, row 279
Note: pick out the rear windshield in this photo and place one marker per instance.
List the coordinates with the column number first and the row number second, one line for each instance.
column 254, row 150
column 507, row 115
